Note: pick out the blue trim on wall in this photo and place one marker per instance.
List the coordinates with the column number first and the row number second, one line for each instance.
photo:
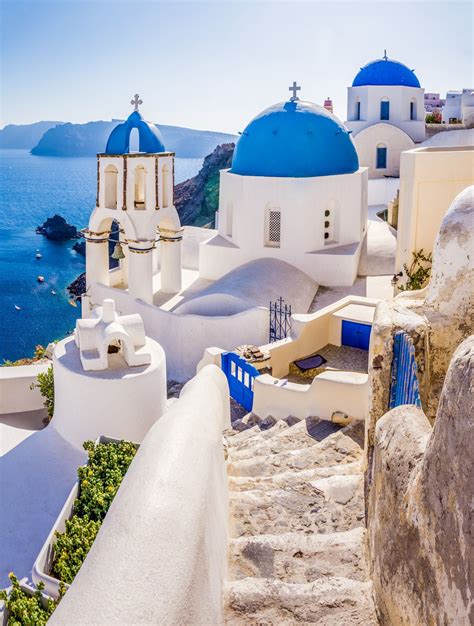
column 381, row 158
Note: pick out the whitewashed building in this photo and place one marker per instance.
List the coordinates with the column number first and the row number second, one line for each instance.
column 386, row 114
column 294, row 192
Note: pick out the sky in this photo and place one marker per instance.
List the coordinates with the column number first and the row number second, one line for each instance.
column 214, row 65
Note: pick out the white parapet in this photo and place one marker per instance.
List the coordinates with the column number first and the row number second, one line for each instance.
column 161, row 554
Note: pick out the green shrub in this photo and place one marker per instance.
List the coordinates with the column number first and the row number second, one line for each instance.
column 26, row 610
column 72, row 546
column 99, row 481
column 419, row 271
column 45, row 383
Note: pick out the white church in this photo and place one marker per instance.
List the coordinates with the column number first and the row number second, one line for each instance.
column 386, row 115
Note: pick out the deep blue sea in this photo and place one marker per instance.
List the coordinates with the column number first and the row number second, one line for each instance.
column 33, row 188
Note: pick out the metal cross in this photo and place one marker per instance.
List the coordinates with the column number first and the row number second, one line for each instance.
column 294, row 88
column 136, row 101
column 385, row 57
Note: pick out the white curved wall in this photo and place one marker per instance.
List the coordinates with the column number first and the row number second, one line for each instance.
column 396, row 141
column 161, row 554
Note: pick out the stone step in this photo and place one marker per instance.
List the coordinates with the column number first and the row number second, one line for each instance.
column 292, row 478
column 328, row 505
column 344, row 446
column 256, row 428
column 298, row 558
column 303, row 434
column 333, row 601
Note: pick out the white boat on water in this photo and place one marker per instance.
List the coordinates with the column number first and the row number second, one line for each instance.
column 53, row 293
column 38, row 254
column 41, row 279
column 18, row 308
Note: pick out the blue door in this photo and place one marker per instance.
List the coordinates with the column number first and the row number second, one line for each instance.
column 240, row 376
column 355, row 334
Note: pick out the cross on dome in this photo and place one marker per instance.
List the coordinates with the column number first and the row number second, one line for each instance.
column 294, row 88
column 136, row 101
column 385, row 57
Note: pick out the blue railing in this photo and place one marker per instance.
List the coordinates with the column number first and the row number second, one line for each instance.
column 404, row 388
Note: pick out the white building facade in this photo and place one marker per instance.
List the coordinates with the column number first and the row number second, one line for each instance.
column 295, row 192
column 386, row 114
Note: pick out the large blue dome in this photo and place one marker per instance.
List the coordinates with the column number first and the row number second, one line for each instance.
column 294, row 139
column 386, row 72
column 149, row 137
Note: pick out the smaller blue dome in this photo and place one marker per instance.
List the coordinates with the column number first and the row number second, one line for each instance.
column 295, row 139
column 386, row 72
column 150, row 139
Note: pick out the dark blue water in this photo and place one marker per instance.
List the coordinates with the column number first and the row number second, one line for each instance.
column 31, row 190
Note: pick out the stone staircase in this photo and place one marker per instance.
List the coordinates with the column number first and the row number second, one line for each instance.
column 297, row 524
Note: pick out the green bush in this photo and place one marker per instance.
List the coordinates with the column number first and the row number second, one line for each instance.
column 99, row 481
column 26, row 610
column 45, row 383
column 419, row 271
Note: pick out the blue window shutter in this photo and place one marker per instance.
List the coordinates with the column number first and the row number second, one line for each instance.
column 385, row 110
column 381, row 158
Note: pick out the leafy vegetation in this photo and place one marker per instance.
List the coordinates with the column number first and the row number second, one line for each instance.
column 419, row 272
column 45, row 383
column 99, row 481
column 28, row 610
column 39, row 355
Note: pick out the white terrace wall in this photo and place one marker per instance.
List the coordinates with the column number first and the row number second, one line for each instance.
column 185, row 337
column 15, row 393
column 309, row 333
column 161, row 554
column 382, row 190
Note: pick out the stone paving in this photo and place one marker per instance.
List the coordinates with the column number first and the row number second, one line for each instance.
column 297, row 531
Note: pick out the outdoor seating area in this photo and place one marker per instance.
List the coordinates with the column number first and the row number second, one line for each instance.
column 329, row 358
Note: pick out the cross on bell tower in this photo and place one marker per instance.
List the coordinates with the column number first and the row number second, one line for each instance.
column 294, row 88
column 136, row 101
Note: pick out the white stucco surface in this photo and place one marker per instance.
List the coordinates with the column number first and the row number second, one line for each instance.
column 15, row 393
column 393, row 138
column 254, row 284
column 462, row 137
column 161, row 554
column 329, row 392
column 382, row 190
column 121, row 401
column 379, row 249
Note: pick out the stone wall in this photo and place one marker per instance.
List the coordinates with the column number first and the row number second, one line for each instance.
column 419, row 510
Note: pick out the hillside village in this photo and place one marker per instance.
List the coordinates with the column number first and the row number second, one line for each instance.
column 268, row 421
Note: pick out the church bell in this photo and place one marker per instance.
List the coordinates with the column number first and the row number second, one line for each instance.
column 118, row 252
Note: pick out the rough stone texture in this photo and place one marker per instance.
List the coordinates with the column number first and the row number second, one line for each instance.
column 296, row 553
column 420, row 518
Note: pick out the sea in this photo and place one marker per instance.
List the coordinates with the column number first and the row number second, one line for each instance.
column 33, row 188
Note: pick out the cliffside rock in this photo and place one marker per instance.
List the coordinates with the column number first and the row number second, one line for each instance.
column 197, row 199
column 77, row 287
column 57, row 229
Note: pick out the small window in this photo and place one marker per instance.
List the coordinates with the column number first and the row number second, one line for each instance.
column 273, row 229
column 385, row 109
column 381, row 157
column 140, row 187
column 358, row 110
column 413, row 110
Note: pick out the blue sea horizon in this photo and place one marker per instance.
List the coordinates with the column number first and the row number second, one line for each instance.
column 34, row 188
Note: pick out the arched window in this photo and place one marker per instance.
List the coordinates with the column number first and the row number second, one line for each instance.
column 384, row 109
column 110, row 179
column 272, row 227
column 381, row 156
column 357, row 110
column 413, row 109
column 134, row 141
column 165, row 186
column 140, row 187
column 229, row 219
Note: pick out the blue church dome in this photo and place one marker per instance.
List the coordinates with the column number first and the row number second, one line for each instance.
column 150, row 139
column 294, row 139
column 386, row 71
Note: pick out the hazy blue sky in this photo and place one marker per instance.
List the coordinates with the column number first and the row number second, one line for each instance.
column 214, row 65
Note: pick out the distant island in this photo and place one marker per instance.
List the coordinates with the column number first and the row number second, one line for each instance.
column 77, row 140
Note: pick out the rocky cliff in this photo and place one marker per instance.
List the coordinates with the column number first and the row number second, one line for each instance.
column 57, row 229
column 197, row 199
